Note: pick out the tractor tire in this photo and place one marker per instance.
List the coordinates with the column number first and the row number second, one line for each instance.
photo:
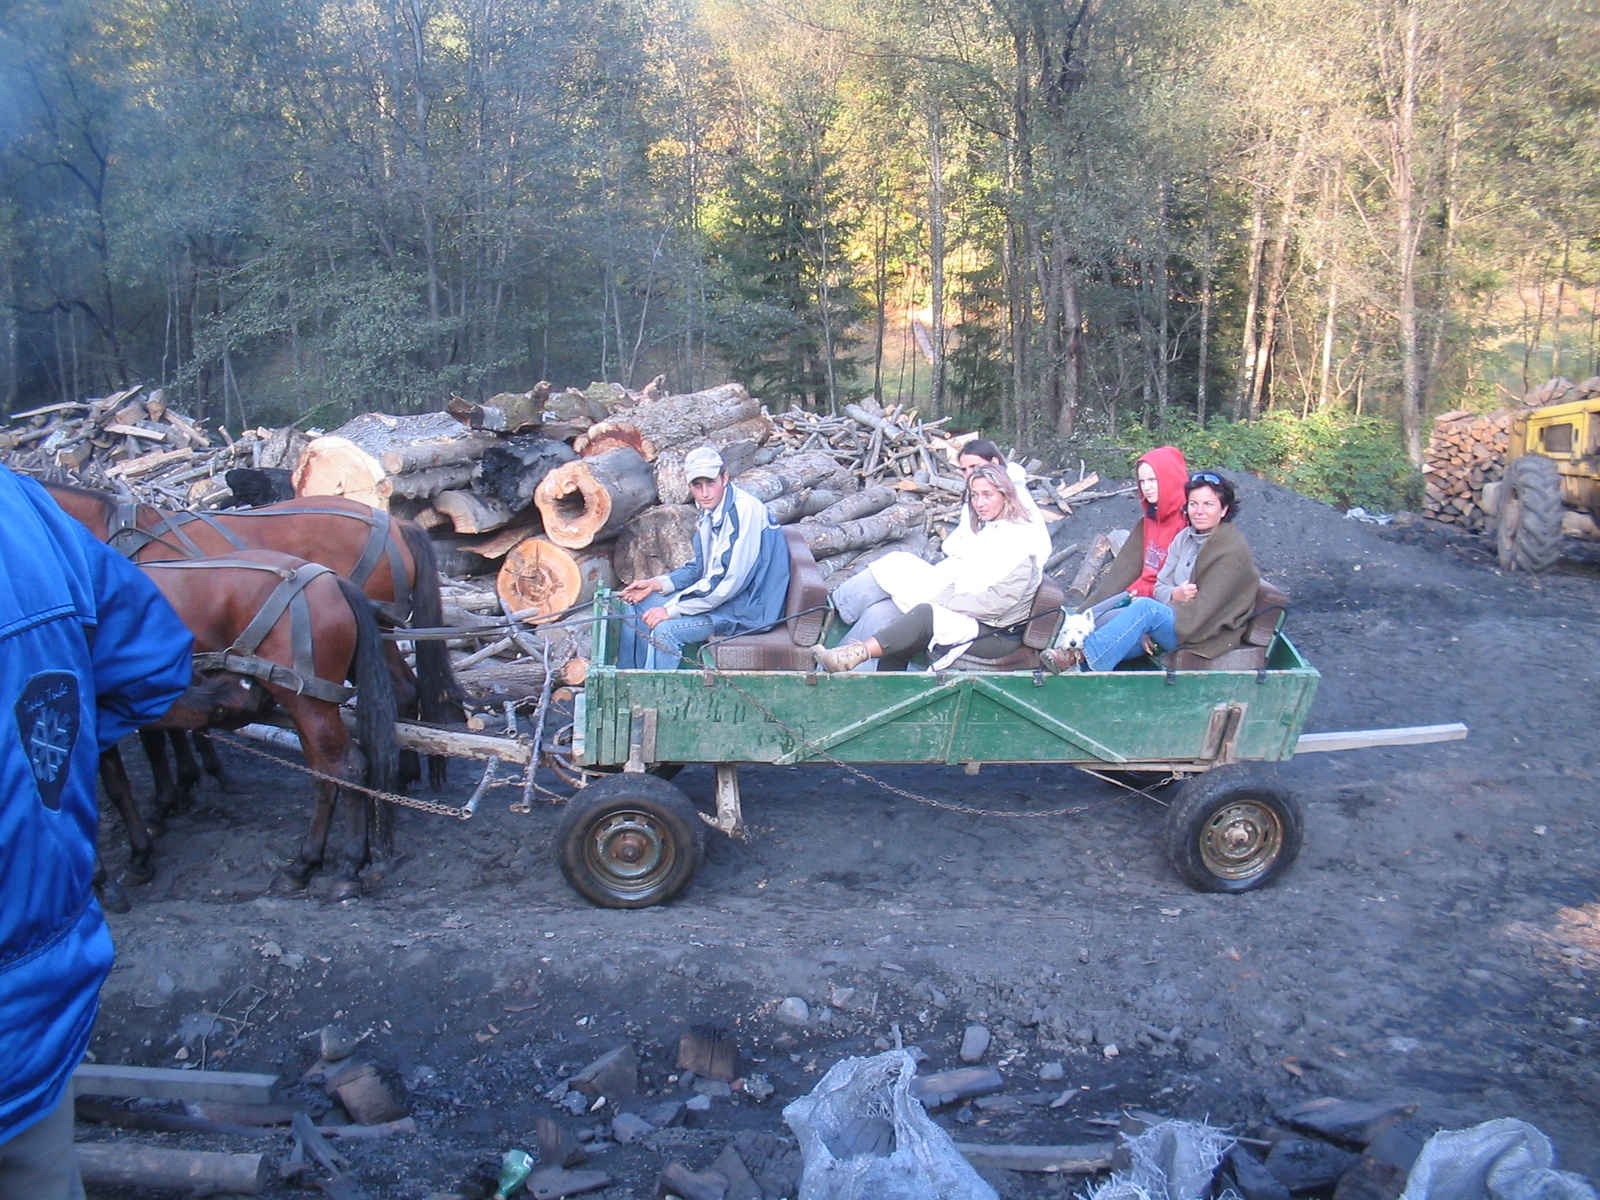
column 630, row 841
column 1528, row 533
column 1233, row 830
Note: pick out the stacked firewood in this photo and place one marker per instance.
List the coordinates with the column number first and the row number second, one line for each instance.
column 1468, row 450
column 132, row 443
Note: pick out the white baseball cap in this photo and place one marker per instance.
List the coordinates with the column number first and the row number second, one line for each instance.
column 703, row 462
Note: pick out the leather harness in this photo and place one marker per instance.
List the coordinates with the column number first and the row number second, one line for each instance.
column 241, row 657
column 128, row 539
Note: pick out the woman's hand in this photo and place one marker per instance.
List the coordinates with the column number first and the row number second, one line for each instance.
column 1184, row 592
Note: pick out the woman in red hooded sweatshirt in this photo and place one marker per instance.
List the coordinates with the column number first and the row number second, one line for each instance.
column 1161, row 475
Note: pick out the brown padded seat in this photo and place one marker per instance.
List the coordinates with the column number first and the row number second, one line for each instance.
column 1271, row 605
column 1044, row 623
column 788, row 647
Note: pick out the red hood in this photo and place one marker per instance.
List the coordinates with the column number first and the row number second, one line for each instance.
column 1171, row 474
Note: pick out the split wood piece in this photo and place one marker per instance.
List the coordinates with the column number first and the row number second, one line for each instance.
column 309, row 1138
column 511, row 470
column 1060, row 556
column 349, row 461
column 796, row 506
column 501, row 543
column 553, row 1183
column 242, row 1114
column 365, row 1096
column 539, row 575
column 557, row 1146
column 891, row 523
column 509, row 412
column 708, row 1054
column 119, row 1164
column 469, row 512
column 866, row 503
column 433, row 454
column 740, row 452
column 1067, row 491
column 613, row 435
column 1089, row 569
column 420, row 485
column 591, row 499
column 165, row 1083
column 677, row 1180
column 1068, row 1160
column 1343, row 1120
column 961, row 1083
column 614, row 1075
column 683, row 421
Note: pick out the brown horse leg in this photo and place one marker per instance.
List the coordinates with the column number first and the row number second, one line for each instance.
column 113, row 896
column 328, row 748
column 381, row 816
column 114, row 777
column 295, row 874
column 213, row 764
column 167, row 799
column 188, row 770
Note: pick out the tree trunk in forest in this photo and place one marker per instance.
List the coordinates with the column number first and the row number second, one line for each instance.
column 1403, row 111
column 936, row 252
column 1275, row 279
column 1072, row 354
column 1203, row 368
column 590, row 500
column 1328, row 324
column 1245, row 381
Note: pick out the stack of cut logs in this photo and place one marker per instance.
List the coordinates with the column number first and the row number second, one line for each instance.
column 1468, row 450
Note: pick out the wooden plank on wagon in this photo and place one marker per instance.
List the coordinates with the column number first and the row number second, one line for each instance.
column 168, row 1083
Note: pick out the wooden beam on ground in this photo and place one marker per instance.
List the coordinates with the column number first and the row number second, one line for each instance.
column 1363, row 739
column 123, row 1164
column 1070, row 1160
column 167, row 1083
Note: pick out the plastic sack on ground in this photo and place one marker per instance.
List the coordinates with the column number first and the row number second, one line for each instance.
column 1175, row 1160
column 862, row 1137
column 1505, row 1159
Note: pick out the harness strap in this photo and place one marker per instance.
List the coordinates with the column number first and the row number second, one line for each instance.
column 185, row 516
column 289, row 594
column 125, row 536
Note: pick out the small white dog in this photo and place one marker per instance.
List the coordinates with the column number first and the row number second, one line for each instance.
column 1066, row 651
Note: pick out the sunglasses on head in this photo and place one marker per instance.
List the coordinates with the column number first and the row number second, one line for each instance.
column 1206, row 477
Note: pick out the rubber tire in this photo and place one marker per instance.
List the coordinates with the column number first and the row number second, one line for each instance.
column 1528, row 532
column 660, row 809
column 1206, row 797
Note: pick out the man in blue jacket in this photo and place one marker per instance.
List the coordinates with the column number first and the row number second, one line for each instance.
column 89, row 650
column 737, row 581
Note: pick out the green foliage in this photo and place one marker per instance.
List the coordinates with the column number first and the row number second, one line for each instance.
column 1333, row 456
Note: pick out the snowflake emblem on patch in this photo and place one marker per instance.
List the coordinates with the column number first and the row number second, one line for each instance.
column 48, row 724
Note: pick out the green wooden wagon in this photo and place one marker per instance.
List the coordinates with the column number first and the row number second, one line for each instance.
column 630, row 839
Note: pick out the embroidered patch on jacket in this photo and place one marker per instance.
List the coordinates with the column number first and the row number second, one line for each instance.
column 47, row 719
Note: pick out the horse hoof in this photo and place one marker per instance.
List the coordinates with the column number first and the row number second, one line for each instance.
column 113, row 898
column 132, row 876
column 377, row 870
column 346, row 889
column 290, row 879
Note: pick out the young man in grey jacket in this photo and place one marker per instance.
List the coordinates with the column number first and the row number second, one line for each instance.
column 736, row 582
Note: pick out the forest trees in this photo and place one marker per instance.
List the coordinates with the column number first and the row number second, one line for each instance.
column 1088, row 214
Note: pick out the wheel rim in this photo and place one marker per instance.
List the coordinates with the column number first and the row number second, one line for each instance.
column 631, row 852
column 1241, row 839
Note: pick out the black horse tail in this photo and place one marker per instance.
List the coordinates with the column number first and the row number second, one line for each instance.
column 439, row 694
column 376, row 709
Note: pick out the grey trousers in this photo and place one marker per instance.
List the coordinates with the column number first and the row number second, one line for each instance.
column 867, row 607
column 39, row 1163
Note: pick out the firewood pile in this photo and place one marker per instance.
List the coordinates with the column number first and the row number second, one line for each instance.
column 1468, row 450
column 134, row 444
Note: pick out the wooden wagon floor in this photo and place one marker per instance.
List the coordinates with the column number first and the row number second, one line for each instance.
column 1439, row 939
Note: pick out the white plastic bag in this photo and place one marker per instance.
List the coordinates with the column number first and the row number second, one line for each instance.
column 1174, row 1160
column 1505, row 1159
column 857, row 1094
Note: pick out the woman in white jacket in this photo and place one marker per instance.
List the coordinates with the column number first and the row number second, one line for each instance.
column 975, row 600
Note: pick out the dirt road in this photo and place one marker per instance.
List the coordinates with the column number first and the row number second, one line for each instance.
column 1439, row 939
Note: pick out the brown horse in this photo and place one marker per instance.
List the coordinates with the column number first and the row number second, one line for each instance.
column 251, row 652
column 390, row 559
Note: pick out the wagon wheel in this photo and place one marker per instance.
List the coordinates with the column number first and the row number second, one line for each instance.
column 629, row 841
column 1528, row 533
column 1232, row 830
column 558, row 757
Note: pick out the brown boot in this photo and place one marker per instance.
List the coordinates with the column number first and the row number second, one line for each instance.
column 841, row 658
column 1058, row 662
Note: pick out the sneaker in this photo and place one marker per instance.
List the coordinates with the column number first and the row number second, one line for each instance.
column 840, row 658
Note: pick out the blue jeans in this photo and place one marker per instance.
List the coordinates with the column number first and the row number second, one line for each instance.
column 1120, row 638
column 661, row 648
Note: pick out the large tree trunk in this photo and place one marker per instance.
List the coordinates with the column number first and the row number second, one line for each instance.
column 861, row 504
column 688, row 420
column 658, row 540
column 857, row 535
column 794, row 506
column 590, row 500
column 539, row 574
column 361, row 459
column 807, row 468
column 511, row 470
column 1248, row 350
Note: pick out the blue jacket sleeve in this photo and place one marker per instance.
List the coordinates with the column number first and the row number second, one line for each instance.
column 140, row 649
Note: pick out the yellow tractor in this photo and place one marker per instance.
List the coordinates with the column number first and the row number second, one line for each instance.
column 1551, row 484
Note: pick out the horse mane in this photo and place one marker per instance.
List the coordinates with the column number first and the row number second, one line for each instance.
column 106, row 501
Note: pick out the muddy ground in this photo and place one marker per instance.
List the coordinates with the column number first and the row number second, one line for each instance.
column 1438, row 940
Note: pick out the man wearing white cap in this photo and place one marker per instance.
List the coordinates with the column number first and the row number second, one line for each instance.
column 736, row 582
